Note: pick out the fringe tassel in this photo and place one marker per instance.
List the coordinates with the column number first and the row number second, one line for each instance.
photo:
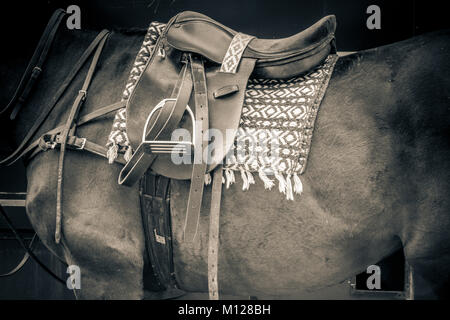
column 289, row 193
column 281, row 182
column 245, row 182
column 268, row 183
column 229, row 177
column 112, row 153
column 298, row 186
column 128, row 153
column 250, row 178
column 208, row 179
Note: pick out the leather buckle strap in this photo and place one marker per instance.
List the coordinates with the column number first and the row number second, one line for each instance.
column 200, row 165
column 98, row 43
column 213, row 246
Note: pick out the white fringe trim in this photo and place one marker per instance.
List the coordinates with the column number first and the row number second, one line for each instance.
column 245, row 183
column 208, row 179
column 112, row 153
column 268, row 183
column 229, row 177
column 128, row 153
column 289, row 193
column 281, row 182
column 287, row 185
column 298, row 185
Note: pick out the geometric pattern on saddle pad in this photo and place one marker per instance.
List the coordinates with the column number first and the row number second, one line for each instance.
column 276, row 127
column 275, row 131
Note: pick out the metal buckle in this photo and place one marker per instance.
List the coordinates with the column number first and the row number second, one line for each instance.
column 37, row 70
column 46, row 142
column 83, row 92
column 168, row 146
column 83, row 144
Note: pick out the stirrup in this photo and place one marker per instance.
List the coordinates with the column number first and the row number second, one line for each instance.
column 168, row 146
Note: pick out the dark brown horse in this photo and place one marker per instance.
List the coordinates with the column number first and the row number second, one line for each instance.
column 378, row 178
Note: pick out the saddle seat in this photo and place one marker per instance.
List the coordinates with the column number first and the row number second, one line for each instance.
column 275, row 58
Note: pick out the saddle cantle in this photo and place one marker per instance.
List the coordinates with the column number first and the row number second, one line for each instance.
column 201, row 65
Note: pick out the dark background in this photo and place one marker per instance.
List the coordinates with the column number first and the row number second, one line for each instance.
column 400, row 19
column 22, row 22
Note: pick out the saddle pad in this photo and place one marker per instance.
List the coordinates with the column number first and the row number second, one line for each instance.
column 276, row 126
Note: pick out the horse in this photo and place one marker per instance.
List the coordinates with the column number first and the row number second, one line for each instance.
column 378, row 179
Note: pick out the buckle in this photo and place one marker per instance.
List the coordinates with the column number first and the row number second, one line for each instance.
column 37, row 70
column 83, row 92
column 83, row 144
column 47, row 142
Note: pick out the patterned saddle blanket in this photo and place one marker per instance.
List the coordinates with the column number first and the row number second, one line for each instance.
column 276, row 126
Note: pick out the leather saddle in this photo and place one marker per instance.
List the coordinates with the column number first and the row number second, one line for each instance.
column 203, row 65
column 191, row 32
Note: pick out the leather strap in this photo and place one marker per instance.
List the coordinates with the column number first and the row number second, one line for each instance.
column 97, row 43
column 52, row 141
column 49, row 140
column 213, row 246
column 44, row 114
column 27, row 249
column 199, row 167
column 162, row 127
column 22, row 262
column 34, row 68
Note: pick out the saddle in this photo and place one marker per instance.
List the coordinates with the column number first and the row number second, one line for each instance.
column 207, row 41
column 195, row 79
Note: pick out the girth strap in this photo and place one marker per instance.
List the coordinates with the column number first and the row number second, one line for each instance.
column 97, row 43
column 155, row 212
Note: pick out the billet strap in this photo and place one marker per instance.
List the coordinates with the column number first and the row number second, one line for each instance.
column 166, row 121
column 34, row 68
column 234, row 53
column 213, row 246
column 97, row 43
column 199, row 167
